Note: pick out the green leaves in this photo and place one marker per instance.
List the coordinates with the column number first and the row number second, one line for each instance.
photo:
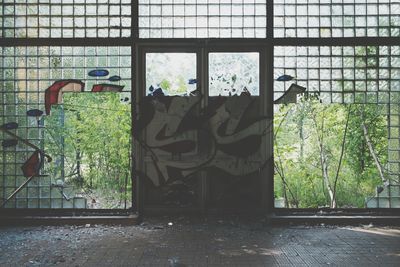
column 297, row 128
column 97, row 133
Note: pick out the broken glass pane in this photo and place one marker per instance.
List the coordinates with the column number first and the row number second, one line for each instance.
column 234, row 73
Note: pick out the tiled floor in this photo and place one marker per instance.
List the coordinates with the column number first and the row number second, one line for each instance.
column 200, row 242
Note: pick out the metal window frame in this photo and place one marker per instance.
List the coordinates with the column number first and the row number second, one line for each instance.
column 267, row 44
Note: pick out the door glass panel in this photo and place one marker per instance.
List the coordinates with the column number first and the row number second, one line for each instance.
column 234, row 74
column 170, row 73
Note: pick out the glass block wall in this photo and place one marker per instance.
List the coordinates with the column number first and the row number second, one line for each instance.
column 348, row 74
column 26, row 72
column 339, row 74
column 65, row 19
column 394, row 140
column 336, row 18
column 202, row 18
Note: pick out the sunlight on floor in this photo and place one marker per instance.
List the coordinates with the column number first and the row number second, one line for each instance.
column 380, row 231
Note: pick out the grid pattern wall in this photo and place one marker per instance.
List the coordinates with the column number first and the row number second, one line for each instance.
column 202, row 18
column 65, row 18
column 394, row 141
column 336, row 18
column 25, row 74
column 348, row 74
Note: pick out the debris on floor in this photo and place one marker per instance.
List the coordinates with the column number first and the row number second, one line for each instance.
column 184, row 241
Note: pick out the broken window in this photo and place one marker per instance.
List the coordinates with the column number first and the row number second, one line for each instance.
column 89, row 138
column 35, row 82
column 334, row 148
column 234, row 74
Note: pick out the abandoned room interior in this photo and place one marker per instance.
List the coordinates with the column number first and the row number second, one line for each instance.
column 189, row 123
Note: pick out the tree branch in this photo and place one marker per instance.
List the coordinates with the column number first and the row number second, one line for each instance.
column 373, row 153
column 341, row 154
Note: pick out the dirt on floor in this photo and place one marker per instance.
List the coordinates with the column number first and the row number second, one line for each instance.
column 181, row 241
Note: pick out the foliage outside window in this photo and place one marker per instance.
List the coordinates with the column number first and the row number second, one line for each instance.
column 172, row 73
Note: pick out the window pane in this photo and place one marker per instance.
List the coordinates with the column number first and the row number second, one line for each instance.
column 170, row 73
column 233, row 74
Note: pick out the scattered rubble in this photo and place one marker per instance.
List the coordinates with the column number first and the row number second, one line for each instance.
column 170, row 241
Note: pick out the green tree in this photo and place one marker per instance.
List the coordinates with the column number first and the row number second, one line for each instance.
column 91, row 133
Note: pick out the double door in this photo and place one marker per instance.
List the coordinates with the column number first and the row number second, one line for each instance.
column 202, row 130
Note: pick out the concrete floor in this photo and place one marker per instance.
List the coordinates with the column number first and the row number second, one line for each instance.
column 199, row 242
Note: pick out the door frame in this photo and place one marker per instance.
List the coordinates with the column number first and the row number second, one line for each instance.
column 202, row 48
